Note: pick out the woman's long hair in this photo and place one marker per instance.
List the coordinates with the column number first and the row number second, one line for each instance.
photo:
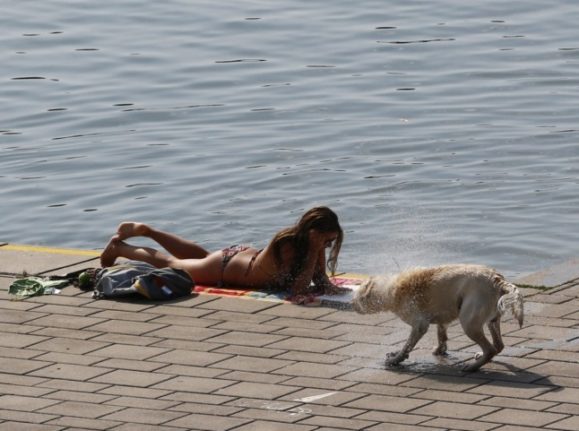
column 321, row 219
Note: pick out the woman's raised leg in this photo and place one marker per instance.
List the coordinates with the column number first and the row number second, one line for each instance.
column 177, row 246
column 117, row 248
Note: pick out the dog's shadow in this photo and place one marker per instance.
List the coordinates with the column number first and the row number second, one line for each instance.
column 448, row 370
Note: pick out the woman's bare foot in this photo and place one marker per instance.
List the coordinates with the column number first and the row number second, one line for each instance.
column 110, row 253
column 129, row 229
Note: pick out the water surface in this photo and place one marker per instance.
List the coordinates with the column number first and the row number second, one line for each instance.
column 439, row 131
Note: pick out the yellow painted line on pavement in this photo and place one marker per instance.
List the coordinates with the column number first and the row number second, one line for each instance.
column 50, row 250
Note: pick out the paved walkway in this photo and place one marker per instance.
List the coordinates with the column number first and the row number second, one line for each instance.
column 68, row 362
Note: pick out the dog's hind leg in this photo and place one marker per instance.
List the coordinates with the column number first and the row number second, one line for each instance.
column 495, row 330
column 477, row 335
column 418, row 330
column 440, row 350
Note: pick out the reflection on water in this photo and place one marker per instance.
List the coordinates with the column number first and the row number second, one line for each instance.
column 438, row 134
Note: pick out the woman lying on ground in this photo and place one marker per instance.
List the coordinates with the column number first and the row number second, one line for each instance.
column 291, row 261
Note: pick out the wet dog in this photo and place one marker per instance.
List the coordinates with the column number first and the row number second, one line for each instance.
column 475, row 295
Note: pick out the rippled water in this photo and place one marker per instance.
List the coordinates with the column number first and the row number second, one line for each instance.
column 439, row 131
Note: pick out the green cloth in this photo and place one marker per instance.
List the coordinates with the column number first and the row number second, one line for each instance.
column 34, row 286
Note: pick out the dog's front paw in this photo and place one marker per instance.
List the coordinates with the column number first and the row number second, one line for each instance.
column 440, row 351
column 394, row 358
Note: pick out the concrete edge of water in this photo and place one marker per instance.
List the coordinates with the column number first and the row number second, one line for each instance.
column 16, row 259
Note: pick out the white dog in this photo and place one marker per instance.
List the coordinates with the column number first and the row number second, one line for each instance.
column 476, row 295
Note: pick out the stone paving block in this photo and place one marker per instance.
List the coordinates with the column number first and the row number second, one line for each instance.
column 380, row 389
column 326, row 421
column 455, row 410
column 134, row 391
column 458, row 397
column 19, row 316
column 459, row 424
column 80, row 409
column 523, row 417
column 445, row 383
column 142, row 403
column 553, row 368
column 25, row 426
column 182, row 344
column 120, row 305
column 257, row 352
column 189, row 357
column 206, row 409
column 133, row 340
column 257, row 390
column 565, row 408
column 261, row 328
column 310, row 396
column 78, row 396
column 19, row 340
column 28, row 404
column 236, row 304
column 262, row 425
column 561, row 395
column 126, row 327
column 26, row 391
column 518, row 403
column 141, row 316
column 68, row 322
column 131, row 378
column 69, row 345
column 387, row 403
column 17, row 328
column 290, row 310
column 289, row 416
column 174, row 310
column 239, row 317
column 21, row 366
column 208, row 422
column 308, row 369
column 72, row 385
column 319, row 383
column 571, row 424
column 193, row 384
column 143, row 416
column 75, row 423
column 363, row 350
column 398, row 427
column 509, row 389
column 288, row 322
column 315, row 345
column 193, row 322
column 12, row 352
column 248, row 363
column 70, row 372
column 244, row 376
column 68, row 358
column 378, row 376
column 248, row 339
column 130, row 364
column 321, row 358
column 126, row 351
column 63, row 309
column 197, row 398
column 144, row 427
column 186, row 370
column 185, row 333
column 67, row 333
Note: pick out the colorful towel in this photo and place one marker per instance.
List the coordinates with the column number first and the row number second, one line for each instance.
column 349, row 281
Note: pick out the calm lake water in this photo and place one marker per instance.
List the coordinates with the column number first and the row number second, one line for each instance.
column 440, row 131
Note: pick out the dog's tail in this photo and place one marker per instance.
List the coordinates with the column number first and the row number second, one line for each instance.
column 511, row 299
